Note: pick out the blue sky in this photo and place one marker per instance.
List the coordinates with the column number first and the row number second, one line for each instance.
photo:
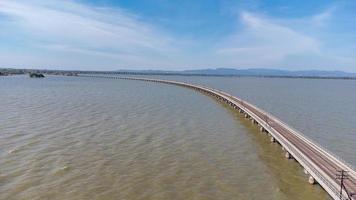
column 166, row 34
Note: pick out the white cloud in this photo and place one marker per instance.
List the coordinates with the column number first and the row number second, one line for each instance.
column 321, row 19
column 264, row 42
column 67, row 26
column 68, row 34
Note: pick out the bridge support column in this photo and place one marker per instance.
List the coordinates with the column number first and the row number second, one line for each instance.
column 287, row 155
column 305, row 171
column 262, row 129
column 311, row 180
column 253, row 121
column 273, row 140
column 246, row 115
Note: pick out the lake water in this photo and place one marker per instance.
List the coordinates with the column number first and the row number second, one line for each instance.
column 84, row 138
column 322, row 109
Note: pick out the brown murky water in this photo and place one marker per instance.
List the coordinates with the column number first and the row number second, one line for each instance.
column 80, row 138
column 322, row 109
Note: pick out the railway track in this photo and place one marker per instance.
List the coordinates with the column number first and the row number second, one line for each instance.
column 320, row 164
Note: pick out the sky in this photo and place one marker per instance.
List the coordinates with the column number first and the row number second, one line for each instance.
column 178, row 35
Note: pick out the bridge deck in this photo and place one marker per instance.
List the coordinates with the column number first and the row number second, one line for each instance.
column 319, row 163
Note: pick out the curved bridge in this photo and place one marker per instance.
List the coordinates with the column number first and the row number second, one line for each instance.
column 331, row 173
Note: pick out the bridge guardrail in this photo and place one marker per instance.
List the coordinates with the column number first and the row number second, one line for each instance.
column 303, row 159
column 300, row 135
column 296, row 153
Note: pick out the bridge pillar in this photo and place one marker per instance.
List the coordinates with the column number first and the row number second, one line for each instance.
column 305, row 171
column 273, row 140
column 262, row 129
column 287, row 155
column 246, row 115
column 311, row 180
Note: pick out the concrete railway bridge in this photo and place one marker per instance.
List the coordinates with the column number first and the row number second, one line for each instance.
column 332, row 173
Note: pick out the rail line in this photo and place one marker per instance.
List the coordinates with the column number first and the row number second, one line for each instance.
column 321, row 165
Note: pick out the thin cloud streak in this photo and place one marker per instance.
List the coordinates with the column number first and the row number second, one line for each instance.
column 89, row 31
column 69, row 34
column 268, row 42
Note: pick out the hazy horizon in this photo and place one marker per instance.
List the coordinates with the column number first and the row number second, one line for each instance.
column 186, row 70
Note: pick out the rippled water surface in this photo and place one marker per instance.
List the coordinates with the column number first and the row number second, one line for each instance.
column 322, row 109
column 82, row 138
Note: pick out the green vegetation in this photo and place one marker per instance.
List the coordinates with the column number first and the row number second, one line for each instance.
column 268, row 73
column 3, row 74
column 36, row 75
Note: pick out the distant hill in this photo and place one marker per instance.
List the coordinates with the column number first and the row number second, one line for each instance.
column 261, row 72
column 250, row 72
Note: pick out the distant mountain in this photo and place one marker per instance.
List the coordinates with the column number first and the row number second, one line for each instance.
column 249, row 72
column 261, row 72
